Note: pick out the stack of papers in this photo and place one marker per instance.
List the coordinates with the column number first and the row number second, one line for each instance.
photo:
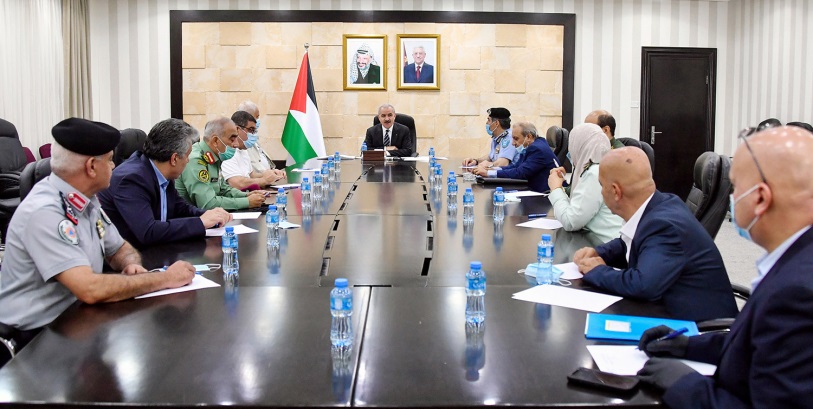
column 245, row 215
column 542, row 223
column 524, row 193
column 628, row 360
column 567, row 297
column 238, row 229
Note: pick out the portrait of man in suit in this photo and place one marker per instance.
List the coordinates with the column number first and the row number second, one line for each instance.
column 420, row 61
column 419, row 72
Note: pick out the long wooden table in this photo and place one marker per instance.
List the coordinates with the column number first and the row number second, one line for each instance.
column 263, row 340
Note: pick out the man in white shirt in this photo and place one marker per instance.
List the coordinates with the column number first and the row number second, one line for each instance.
column 243, row 171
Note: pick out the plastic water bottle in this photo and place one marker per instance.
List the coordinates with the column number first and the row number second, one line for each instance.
column 337, row 161
column 331, row 169
column 363, row 147
column 438, row 179
column 451, row 193
column 282, row 205
column 432, row 152
column 272, row 227
column 475, row 294
column 468, row 206
column 432, row 163
column 229, row 246
column 341, row 308
column 544, row 256
column 317, row 187
column 306, row 195
column 325, row 176
column 499, row 205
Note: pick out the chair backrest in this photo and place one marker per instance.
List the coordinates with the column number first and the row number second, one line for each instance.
column 718, row 204
column 12, row 154
column 29, row 156
column 33, row 173
column 409, row 122
column 558, row 139
column 45, row 151
column 706, row 182
column 131, row 140
column 647, row 148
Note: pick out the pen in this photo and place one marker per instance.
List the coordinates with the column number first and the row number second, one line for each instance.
column 531, row 216
column 555, row 162
column 673, row 334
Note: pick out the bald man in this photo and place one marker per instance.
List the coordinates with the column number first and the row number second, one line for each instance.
column 664, row 254
column 766, row 360
column 606, row 122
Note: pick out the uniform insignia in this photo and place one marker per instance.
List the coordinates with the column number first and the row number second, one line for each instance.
column 68, row 209
column 100, row 228
column 77, row 201
column 104, row 216
column 201, row 162
column 209, row 157
column 504, row 142
column 68, row 232
column 214, row 180
column 203, row 175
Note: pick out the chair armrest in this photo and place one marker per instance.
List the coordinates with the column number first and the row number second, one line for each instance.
column 715, row 325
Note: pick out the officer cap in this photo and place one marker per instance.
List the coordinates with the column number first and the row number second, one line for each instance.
column 499, row 113
column 86, row 137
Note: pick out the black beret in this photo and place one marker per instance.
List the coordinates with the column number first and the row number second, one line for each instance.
column 499, row 113
column 86, row 137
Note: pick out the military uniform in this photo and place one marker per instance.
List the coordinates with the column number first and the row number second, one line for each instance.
column 55, row 229
column 201, row 184
column 616, row 144
column 501, row 147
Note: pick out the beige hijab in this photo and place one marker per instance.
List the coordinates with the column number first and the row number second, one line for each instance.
column 587, row 145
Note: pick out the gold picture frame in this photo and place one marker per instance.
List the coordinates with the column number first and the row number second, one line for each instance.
column 411, row 46
column 369, row 50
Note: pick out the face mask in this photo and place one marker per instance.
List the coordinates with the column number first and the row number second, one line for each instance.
column 489, row 131
column 257, row 124
column 521, row 149
column 743, row 232
column 229, row 152
column 251, row 141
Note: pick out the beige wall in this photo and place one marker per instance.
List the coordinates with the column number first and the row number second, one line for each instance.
column 482, row 66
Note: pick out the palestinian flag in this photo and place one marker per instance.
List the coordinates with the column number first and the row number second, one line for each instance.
column 302, row 136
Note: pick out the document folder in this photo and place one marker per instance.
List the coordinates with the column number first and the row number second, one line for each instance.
column 629, row 327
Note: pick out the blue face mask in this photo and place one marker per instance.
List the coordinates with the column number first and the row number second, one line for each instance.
column 521, row 149
column 252, row 140
column 257, row 124
column 489, row 131
column 743, row 232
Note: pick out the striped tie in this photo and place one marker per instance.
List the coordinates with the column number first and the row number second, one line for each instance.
column 387, row 137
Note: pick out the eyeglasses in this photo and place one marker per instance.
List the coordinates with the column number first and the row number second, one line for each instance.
column 744, row 134
column 249, row 130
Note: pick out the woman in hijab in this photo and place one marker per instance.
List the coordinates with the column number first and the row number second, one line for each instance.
column 585, row 208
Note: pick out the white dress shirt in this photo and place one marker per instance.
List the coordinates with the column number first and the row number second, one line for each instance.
column 629, row 228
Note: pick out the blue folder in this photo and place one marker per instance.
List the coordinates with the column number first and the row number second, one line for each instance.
column 629, row 327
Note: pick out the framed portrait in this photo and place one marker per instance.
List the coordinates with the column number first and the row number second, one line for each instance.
column 365, row 62
column 420, row 61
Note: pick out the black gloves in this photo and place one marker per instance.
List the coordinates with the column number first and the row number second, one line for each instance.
column 675, row 347
column 663, row 372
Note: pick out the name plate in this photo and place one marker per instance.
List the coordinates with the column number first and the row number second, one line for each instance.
column 373, row 156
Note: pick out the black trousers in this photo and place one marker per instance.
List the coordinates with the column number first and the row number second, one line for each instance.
column 18, row 338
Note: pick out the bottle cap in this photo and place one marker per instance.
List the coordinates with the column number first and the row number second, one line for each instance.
column 272, row 208
column 476, row 265
column 499, row 188
column 336, row 153
column 280, row 191
column 341, row 283
column 468, row 190
column 305, row 180
column 451, row 173
column 229, row 229
column 546, row 237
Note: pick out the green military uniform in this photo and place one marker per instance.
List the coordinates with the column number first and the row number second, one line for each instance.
column 201, row 185
column 615, row 144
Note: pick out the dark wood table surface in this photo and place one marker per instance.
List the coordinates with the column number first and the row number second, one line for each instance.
column 264, row 340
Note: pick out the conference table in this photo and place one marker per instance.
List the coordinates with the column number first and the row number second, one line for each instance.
column 262, row 337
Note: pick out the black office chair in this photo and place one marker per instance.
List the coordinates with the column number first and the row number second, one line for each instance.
column 131, row 140
column 803, row 125
column 33, row 173
column 12, row 161
column 644, row 146
column 706, row 183
column 768, row 123
column 717, row 209
column 558, row 139
column 409, row 122
column 9, row 348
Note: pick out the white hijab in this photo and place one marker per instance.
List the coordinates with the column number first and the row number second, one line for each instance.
column 587, row 144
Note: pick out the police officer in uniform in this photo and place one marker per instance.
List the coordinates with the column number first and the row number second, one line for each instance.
column 502, row 153
column 59, row 238
column 200, row 183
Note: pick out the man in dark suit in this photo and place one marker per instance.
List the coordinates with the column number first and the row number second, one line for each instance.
column 535, row 161
column 142, row 201
column 389, row 135
column 765, row 361
column 664, row 254
column 419, row 72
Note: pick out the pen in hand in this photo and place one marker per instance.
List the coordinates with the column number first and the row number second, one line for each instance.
column 671, row 335
column 537, row 215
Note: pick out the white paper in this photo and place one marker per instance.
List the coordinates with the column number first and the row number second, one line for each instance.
column 415, row 159
column 468, row 167
column 628, row 360
column 567, row 297
column 238, row 229
column 287, row 186
column 570, row 271
column 348, row 157
column 542, row 223
column 523, row 193
column 306, row 170
column 197, row 283
column 246, row 215
column 287, row 225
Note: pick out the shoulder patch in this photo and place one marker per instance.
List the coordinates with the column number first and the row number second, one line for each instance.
column 201, row 162
column 203, row 176
column 68, row 232
column 505, row 142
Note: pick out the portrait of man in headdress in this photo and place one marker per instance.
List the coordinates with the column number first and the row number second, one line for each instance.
column 364, row 67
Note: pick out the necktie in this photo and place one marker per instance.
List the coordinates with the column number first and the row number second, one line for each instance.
column 387, row 137
column 418, row 74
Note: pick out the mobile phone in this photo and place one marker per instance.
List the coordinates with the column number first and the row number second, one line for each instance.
column 603, row 380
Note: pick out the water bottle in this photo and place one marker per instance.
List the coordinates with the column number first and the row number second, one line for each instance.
column 341, row 308
column 272, row 227
column 475, row 294
column 468, row 206
column 544, row 256
column 363, row 148
column 432, row 163
column 499, row 205
column 325, row 177
column 337, row 161
column 451, row 193
column 438, row 186
column 431, row 152
column 282, row 204
column 306, row 195
column 331, row 169
column 229, row 246
column 317, row 187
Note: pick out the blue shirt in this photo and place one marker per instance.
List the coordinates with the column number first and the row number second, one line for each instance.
column 766, row 262
column 162, row 183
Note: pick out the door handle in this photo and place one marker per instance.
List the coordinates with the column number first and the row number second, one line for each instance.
column 652, row 134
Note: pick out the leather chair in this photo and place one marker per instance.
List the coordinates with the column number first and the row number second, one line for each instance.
column 33, row 173
column 8, row 347
column 409, row 122
column 644, row 146
column 29, row 156
column 12, row 161
column 131, row 140
column 768, row 123
column 708, row 199
column 717, row 209
column 45, row 151
column 558, row 138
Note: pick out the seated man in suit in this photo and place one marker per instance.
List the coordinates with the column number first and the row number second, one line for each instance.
column 201, row 184
column 664, row 254
column 535, row 161
column 142, row 201
column 389, row 135
column 765, row 361
column 245, row 170
column 419, row 72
